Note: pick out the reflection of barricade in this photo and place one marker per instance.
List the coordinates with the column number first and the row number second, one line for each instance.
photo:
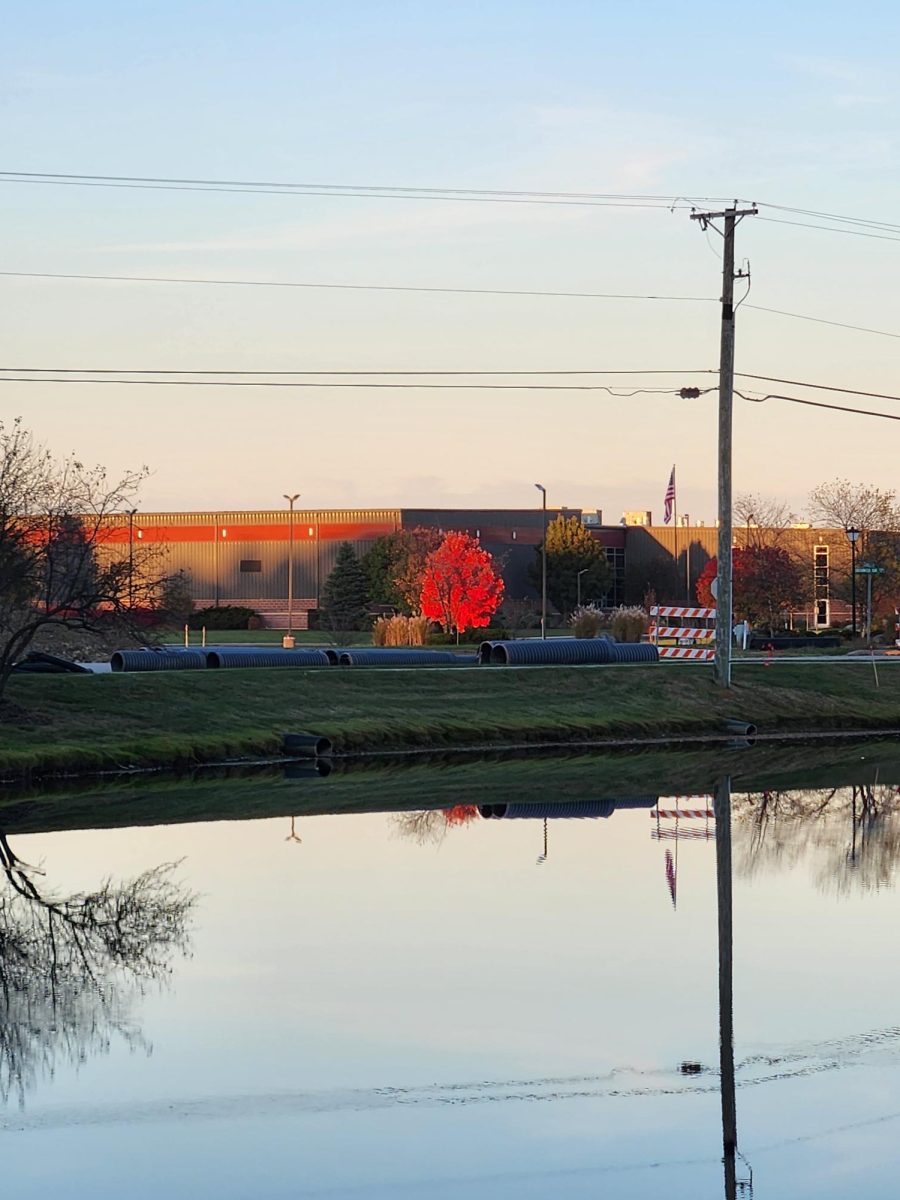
column 683, row 640
column 673, row 830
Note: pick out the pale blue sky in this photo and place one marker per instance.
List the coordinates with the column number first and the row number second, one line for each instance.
column 795, row 105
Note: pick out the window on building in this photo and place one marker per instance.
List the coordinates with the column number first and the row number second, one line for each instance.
column 615, row 556
column 821, row 584
column 250, row 566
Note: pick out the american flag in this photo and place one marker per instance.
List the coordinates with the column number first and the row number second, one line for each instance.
column 671, row 878
column 670, row 499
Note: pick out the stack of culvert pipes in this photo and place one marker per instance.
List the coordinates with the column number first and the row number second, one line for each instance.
column 234, row 659
column 567, row 809
column 400, row 656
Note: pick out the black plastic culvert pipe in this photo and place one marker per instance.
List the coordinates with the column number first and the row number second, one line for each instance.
column 305, row 745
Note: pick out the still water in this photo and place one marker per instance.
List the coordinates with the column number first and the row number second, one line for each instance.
column 452, row 1000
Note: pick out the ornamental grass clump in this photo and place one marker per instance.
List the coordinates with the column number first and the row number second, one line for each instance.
column 586, row 621
column 629, row 623
column 400, row 631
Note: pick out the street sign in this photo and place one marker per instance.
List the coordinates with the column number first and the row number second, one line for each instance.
column 870, row 569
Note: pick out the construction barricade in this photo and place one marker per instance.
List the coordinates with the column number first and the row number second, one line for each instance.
column 685, row 633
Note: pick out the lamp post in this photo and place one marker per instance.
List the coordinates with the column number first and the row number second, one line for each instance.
column 540, row 487
column 288, row 641
column 131, row 513
column 750, row 517
column 583, row 571
column 853, row 538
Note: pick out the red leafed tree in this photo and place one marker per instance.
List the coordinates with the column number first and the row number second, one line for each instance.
column 766, row 582
column 460, row 814
column 704, row 581
column 460, row 587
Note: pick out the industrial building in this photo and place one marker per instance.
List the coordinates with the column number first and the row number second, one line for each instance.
column 242, row 557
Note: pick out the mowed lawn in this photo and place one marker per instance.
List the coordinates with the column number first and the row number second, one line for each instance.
column 84, row 722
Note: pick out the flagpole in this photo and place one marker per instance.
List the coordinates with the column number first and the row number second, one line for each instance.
column 675, row 519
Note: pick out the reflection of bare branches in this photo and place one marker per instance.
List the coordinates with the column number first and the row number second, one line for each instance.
column 70, row 967
column 850, row 836
column 428, row 826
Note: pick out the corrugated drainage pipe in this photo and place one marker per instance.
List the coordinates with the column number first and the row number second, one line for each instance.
column 399, row 657
column 552, row 651
column 574, row 808
column 151, row 660
column 633, row 652
column 267, row 658
column 743, row 728
column 305, row 745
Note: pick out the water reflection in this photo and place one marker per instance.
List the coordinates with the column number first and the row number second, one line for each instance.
column 849, row 837
column 625, row 1077
column 72, row 966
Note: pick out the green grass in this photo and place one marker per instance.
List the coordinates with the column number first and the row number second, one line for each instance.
column 424, row 781
column 62, row 723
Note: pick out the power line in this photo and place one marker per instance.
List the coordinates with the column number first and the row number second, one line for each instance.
column 883, row 237
column 821, row 387
column 359, row 195
column 392, row 191
column 818, row 320
column 167, row 371
column 426, row 289
column 860, row 412
column 811, row 212
column 288, row 383
column 352, row 287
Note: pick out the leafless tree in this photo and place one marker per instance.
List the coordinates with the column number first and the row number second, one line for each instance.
column 844, row 505
column 876, row 514
column 71, row 967
column 57, row 520
column 761, row 519
column 428, row 826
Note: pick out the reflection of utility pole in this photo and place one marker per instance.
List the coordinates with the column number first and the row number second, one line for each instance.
column 542, row 858
column 292, row 836
column 734, row 1187
column 726, row 999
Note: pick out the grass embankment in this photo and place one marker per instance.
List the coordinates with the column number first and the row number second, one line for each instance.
column 439, row 781
column 68, row 723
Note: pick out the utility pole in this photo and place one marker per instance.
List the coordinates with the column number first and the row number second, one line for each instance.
column 731, row 217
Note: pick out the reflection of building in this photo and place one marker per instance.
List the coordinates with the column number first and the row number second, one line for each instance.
column 242, row 557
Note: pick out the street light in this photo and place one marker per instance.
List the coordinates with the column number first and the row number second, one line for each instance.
column 583, row 571
column 131, row 513
column 290, row 633
column 540, row 487
column 853, row 538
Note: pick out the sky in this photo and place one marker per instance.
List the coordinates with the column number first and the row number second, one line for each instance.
column 791, row 105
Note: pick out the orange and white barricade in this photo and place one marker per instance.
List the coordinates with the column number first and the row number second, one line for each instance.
column 677, row 632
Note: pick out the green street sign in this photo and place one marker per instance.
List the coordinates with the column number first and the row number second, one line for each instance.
column 870, row 569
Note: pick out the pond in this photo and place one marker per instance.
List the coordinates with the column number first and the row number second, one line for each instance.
column 507, row 979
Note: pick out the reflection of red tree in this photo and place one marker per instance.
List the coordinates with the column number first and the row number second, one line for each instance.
column 461, row 814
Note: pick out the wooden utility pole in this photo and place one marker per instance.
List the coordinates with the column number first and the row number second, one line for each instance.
column 731, row 217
